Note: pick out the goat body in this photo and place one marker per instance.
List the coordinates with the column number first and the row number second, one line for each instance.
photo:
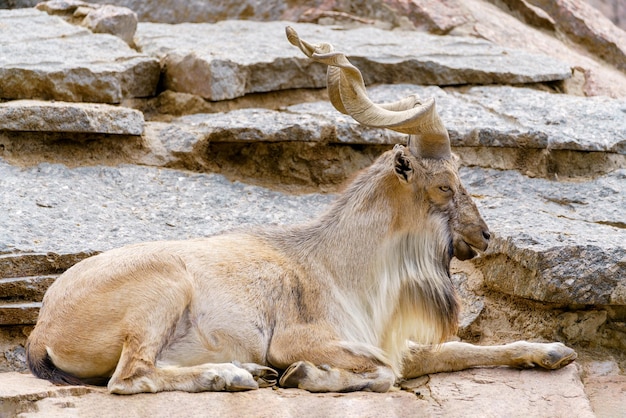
column 349, row 301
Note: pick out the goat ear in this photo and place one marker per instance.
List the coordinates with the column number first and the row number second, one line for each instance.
column 402, row 165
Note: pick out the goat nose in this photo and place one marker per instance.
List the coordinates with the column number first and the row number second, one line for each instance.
column 486, row 235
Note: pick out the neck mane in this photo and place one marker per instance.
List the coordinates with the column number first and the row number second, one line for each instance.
column 392, row 285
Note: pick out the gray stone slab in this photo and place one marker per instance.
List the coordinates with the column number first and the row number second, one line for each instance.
column 502, row 116
column 44, row 57
column 36, row 115
column 231, row 58
column 50, row 208
column 560, row 242
column 568, row 122
column 518, row 117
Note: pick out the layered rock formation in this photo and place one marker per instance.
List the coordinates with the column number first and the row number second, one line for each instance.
column 189, row 129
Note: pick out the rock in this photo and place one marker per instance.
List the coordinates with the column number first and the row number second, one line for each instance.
column 479, row 392
column 582, row 326
column 615, row 10
column 592, row 77
column 27, row 288
column 81, row 66
column 509, row 117
column 542, row 134
column 434, row 16
column 34, row 115
column 472, row 305
column 19, row 313
column 97, row 208
column 255, row 57
column 515, row 117
column 587, row 27
column 500, row 390
column 16, row 359
column 607, row 394
column 526, row 12
column 172, row 11
column 118, row 21
column 556, row 242
column 18, row 266
column 552, row 121
column 438, row 17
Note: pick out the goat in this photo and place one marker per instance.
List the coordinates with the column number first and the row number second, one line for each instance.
column 350, row 301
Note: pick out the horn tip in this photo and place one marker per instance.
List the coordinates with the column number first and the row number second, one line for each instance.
column 292, row 35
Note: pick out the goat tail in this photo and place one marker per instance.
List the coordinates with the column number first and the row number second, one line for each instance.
column 40, row 364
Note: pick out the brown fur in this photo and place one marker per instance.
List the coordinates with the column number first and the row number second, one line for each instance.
column 332, row 303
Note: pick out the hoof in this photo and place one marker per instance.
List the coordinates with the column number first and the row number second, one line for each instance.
column 295, row 374
column 557, row 356
column 230, row 378
column 264, row 376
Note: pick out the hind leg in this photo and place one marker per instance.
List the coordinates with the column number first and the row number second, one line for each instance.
column 135, row 374
column 149, row 327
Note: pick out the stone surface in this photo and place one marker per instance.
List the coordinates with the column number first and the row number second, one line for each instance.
column 243, row 57
column 51, row 208
column 503, row 117
column 118, row 21
column 562, row 121
column 19, row 313
column 560, row 242
column 35, row 115
column 438, row 17
column 510, row 393
column 495, row 127
column 587, row 27
column 80, row 66
column 592, row 77
column 27, row 288
column 173, row 11
column 435, row 16
column 607, row 394
column 615, row 10
column 480, row 392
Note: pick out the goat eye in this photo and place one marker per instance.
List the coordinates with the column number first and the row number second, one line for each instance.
column 444, row 189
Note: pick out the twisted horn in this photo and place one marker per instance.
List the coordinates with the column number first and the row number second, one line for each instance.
column 346, row 90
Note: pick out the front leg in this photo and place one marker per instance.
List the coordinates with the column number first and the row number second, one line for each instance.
column 455, row 356
column 315, row 360
column 324, row 378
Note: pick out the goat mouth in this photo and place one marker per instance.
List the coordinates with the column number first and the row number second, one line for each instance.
column 465, row 251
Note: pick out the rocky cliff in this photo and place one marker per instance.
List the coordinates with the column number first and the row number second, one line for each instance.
column 162, row 120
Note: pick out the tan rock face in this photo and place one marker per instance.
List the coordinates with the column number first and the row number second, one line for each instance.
column 472, row 393
column 615, row 10
column 587, row 27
